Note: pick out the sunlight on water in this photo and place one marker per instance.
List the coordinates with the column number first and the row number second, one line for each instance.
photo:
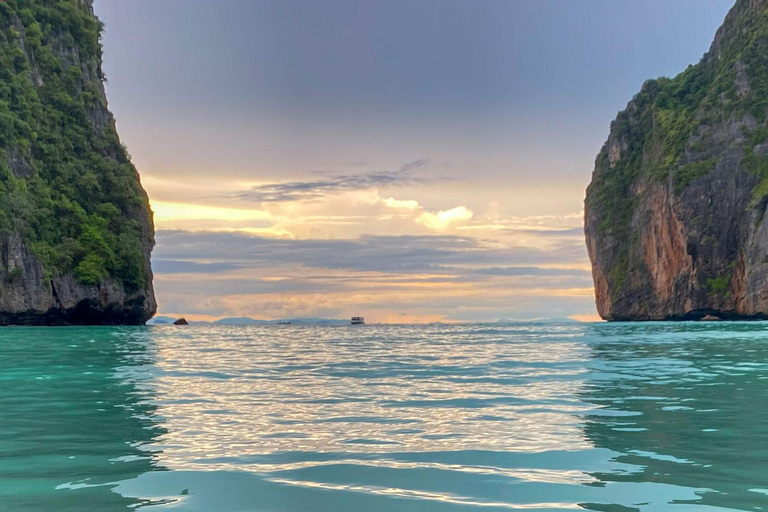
column 416, row 418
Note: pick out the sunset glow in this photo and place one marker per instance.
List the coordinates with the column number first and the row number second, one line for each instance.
column 364, row 183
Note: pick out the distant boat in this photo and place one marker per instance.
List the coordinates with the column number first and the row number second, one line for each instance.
column 357, row 320
column 284, row 322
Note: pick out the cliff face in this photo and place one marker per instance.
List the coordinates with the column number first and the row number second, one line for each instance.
column 675, row 217
column 76, row 231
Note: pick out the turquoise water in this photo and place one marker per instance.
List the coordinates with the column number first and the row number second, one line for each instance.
column 385, row 418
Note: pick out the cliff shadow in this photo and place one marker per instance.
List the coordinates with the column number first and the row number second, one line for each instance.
column 684, row 405
column 78, row 416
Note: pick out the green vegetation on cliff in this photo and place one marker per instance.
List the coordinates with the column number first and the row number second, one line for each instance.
column 664, row 130
column 67, row 185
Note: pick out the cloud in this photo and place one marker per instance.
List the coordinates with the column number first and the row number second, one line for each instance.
column 398, row 204
column 413, row 254
column 160, row 266
column 183, row 211
column 467, row 303
column 446, row 277
column 574, row 232
column 312, row 190
column 443, row 219
column 533, row 271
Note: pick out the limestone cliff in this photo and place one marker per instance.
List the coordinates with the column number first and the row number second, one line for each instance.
column 76, row 230
column 675, row 216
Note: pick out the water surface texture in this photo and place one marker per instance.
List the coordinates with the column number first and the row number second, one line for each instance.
column 600, row 417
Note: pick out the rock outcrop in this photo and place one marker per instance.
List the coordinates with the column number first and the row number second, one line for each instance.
column 76, row 230
column 675, row 217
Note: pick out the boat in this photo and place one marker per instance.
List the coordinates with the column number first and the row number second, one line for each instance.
column 284, row 322
column 357, row 320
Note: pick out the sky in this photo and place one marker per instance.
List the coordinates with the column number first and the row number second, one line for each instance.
column 406, row 161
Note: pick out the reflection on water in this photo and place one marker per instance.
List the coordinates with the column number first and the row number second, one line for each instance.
column 685, row 404
column 379, row 418
column 76, row 414
column 429, row 418
column 232, row 391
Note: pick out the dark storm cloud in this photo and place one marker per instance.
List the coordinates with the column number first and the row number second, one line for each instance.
column 532, row 271
column 390, row 254
column 336, row 183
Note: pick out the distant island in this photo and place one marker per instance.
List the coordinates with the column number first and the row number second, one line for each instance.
column 76, row 230
column 168, row 320
column 675, row 216
column 165, row 320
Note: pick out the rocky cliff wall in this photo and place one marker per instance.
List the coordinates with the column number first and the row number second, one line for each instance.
column 675, row 216
column 76, row 231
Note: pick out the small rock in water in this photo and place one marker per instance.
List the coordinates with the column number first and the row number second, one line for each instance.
column 710, row 318
column 181, row 321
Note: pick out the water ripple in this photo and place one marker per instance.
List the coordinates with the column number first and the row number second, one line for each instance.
column 416, row 418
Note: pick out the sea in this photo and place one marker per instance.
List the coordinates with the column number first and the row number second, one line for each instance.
column 428, row 418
